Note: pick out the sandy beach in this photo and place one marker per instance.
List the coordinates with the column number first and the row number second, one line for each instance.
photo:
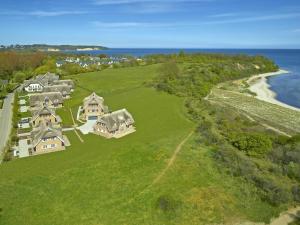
column 259, row 85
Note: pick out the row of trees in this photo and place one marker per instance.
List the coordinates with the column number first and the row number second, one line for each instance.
column 194, row 75
column 11, row 62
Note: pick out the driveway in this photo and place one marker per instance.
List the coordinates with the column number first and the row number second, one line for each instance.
column 87, row 127
column 23, row 149
column 6, row 121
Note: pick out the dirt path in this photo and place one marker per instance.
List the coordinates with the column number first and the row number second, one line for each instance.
column 287, row 217
column 247, row 114
column 171, row 160
column 163, row 172
column 268, row 126
column 75, row 125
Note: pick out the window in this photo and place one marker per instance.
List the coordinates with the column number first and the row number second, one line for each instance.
column 44, row 146
column 53, row 145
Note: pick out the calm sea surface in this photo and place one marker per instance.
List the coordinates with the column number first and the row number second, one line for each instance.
column 287, row 87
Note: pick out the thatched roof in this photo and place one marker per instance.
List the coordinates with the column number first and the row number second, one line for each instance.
column 64, row 82
column 113, row 120
column 39, row 99
column 94, row 99
column 63, row 89
column 44, row 110
column 44, row 132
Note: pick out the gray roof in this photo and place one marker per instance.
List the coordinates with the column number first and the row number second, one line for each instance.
column 48, row 78
column 66, row 82
column 39, row 99
column 34, row 81
column 45, row 132
column 42, row 111
column 63, row 89
column 113, row 120
column 93, row 99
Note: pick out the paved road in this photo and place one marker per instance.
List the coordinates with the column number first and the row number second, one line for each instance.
column 6, row 121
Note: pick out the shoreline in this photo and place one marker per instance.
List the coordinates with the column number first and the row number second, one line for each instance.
column 259, row 85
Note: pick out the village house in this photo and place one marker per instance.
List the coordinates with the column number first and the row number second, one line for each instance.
column 70, row 83
column 45, row 116
column 47, row 139
column 93, row 107
column 115, row 125
column 38, row 83
column 65, row 90
column 48, row 78
column 51, row 99
column 34, row 85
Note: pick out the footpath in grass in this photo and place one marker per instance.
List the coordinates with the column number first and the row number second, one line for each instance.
column 92, row 182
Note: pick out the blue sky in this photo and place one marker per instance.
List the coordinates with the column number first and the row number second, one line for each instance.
column 153, row 23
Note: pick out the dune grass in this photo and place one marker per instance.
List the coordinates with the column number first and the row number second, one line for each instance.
column 283, row 118
column 104, row 181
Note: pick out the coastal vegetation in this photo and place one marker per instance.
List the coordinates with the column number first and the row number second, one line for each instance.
column 241, row 145
column 230, row 169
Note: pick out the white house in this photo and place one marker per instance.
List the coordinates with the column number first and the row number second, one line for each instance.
column 34, row 86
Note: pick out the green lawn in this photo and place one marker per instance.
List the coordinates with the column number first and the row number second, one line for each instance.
column 107, row 181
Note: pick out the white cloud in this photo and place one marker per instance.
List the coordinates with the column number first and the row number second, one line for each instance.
column 124, row 25
column 41, row 13
column 224, row 15
column 148, row 6
column 255, row 18
column 124, row 2
column 100, row 24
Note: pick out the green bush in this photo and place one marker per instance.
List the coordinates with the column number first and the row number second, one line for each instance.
column 167, row 204
column 272, row 192
column 252, row 144
column 296, row 193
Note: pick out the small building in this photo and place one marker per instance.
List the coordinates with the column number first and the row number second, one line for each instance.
column 48, row 78
column 45, row 116
column 65, row 90
column 115, row 125
column 47, row 139
column 34, row 85
column 59, row 63
column 38, row 83
column 24, row 123
column 51, row 99
column 93, row 107
column 65, row 82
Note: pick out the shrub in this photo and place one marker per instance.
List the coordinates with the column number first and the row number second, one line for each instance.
column 167, row 204
column 252, row 144
column 272, row 192
column 296, row 193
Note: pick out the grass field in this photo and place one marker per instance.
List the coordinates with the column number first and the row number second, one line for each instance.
column 108, row 182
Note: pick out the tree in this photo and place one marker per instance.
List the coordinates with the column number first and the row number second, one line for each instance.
column 103, row 56
column 49, row 66
column 169, row 71
column 252, row 144
column 19, row 77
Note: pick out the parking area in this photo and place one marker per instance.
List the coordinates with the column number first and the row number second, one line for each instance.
column 22, row 150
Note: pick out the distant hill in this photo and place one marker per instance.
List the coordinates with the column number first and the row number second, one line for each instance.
column 51, row 48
